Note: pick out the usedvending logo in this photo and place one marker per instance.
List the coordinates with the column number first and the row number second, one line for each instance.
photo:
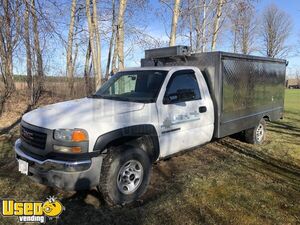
column 32, row 211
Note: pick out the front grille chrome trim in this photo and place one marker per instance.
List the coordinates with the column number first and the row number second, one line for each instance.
column 33, row 137
column 21, row 154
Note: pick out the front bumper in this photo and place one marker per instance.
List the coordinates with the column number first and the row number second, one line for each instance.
column 67, row 175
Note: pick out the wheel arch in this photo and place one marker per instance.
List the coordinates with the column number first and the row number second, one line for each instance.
column 144, row 136
column 267, row 117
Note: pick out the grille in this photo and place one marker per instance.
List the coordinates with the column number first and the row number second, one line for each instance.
column 33, row 138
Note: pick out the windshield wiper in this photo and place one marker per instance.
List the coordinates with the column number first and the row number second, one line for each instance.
column 95, row 96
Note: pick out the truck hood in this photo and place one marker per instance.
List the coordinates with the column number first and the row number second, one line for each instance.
column 79, row 113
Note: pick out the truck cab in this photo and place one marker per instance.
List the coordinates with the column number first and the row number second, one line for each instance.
column 156, row 111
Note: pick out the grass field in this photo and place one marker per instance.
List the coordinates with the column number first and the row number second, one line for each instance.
column 285, row 134
column 224, row 182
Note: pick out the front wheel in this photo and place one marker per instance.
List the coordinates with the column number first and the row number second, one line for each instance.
column 125, row 175
column 256, row 135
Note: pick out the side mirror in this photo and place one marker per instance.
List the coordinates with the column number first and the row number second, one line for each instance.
column 181, row 95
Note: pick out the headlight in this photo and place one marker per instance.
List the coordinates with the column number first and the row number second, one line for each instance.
column 71, row 135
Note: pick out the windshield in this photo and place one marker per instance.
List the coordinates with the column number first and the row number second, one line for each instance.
column 133, row 86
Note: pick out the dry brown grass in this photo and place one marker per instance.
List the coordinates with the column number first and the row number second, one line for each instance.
column 224, row 182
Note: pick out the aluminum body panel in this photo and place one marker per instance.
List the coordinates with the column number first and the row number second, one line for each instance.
column 243, row 88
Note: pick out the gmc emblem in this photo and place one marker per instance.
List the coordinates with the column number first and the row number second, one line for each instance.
column 27, row 134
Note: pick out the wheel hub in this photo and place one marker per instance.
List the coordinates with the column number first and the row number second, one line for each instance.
column 130, row 177
column 259, row 132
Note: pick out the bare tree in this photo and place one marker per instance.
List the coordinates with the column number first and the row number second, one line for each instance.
column 205, row 18
column 247, row 32
column 115, row 56
column 276, row 28
column 204, row 24
column 70, row 64
column 243, row 26
column 112, row 38
column 120, row 34
column 98, row 77
column 176, row 11
column 28, row 47
column 216, row 26
column 202, row 14
column 9, row 37
column 94, row 40
column 38, row 53
column 87, row 70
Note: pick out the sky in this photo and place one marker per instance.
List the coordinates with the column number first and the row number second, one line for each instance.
column 154, row 26
column 292, row 7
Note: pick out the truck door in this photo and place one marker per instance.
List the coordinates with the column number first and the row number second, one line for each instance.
column 185, row 112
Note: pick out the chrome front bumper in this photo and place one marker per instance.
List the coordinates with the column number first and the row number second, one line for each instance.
column 67, row 175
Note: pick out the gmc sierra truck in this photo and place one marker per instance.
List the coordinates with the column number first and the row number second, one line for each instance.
column 175, row 101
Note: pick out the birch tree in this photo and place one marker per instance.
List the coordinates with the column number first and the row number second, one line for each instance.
column 202, row 14
column 98, row 78
column 247, row 32
column 87, row 70
column 120, row 34
column 70, row 63
column 112, row 39
column 216, row 25
column 243, row 26
column 176, row 11
column 276, row 28
column 94, row 39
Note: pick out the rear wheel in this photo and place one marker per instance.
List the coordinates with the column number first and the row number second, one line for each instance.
column 125, row 175
column 256, row 135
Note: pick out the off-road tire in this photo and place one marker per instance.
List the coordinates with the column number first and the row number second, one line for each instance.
column 112, row 163
column 256, row 135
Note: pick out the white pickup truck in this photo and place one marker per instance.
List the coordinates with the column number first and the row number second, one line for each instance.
column 174, row 102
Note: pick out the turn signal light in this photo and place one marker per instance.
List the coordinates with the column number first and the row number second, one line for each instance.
column 65, row 149
column 79, row 135
column 76, row 149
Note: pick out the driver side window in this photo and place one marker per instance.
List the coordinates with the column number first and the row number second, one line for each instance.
column 182, row 87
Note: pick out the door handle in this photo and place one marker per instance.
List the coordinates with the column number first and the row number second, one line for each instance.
column 202, row 109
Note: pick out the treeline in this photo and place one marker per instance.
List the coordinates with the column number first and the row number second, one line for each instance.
column 91, row 32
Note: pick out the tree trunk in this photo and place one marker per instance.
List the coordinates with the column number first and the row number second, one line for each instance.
column 190, row 23
column 120, row 35
column 98, row 78
column 203, row 48
column 7, row 43
column 94, row 43
column 245, row 39
column 115, row 55
column 39, row 59
column 235, row 39
column 172, row 41
column 197, row 25
column 216, row 26
column 28, row 51
column 87, row 70
column 70, row 64
column 112, row 38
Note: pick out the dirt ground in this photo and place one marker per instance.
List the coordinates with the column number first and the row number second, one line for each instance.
column 224, row 182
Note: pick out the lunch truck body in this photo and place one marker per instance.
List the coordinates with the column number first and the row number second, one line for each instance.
column 175, row 101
